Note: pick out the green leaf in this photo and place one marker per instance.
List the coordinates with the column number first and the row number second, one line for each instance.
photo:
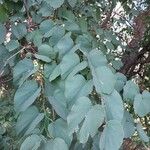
column 72, row 3
column 65, row 44
column 55, row 4
column 78, row 68
column 34, row 123
column 93, row 120
column 23, row 66
column 97, row 58
column 69, row 61
column 12, row 45
column 128, row 125
column 142, row 133
column 104, row 80
column 32, row 142
column 56, row 144
column 78, row 112
column 46, row 26
column 57, row 100
column 19, row 30
column 3, row 33
column 59, row 128
column 26, row 118
column 130, row 90
column 73, row 86
column 120, row 81
column 43, row 58
column 112, row 136
column 142, row 103
column 114, row 106
column 26, row 95
column 56, row 72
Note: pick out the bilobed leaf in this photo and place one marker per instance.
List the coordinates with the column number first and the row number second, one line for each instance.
column 59, row 128
column 19, row 30
column 32, row 142
column 112, row 136
column 3, row 33
column 26, row 118
column 78, row 112
column 142, row 133
column 142, row 103
column 93, row 120
column 103, row 79
column 56, row 144
column 130, row 90
column 114, row 106
column 73, row 85
column 26, row 95
column 68, row 62
column 55, row 4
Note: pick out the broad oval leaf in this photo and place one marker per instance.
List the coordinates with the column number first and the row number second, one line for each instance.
column 130, row 90
column 78, row 112
column 55, row 4
column 142, row 103
column 26, row 95
column 32, row 142
column 93, row 120
column 60, row 129
column 142, row 133
column 56, row 144
column 73, row 85
column 112, row 136
column 26, row 118
column 114, row 106
column 104, row 80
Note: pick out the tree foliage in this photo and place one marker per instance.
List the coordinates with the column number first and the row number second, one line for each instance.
column 77, row 73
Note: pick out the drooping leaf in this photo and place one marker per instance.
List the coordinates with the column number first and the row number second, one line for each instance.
column 112, row 136
column 26, row 95
column 97, row 58
column 12, row 45
column 130, row 90
column 142, row 133
column 73, row 86
column 128, row 125
column 114, row 106
column 59, row 128
column 26, row 118
column 103, row 79
column 68, row 62
column 19, row 30
column 78, row 112
column 93, row 120
column 32, row 142
column 142, row 103
column 65, row 44
column 55, row 4
column 56, row 144
column 3, row 33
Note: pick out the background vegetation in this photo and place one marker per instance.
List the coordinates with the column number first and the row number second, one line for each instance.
column 74, row 74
